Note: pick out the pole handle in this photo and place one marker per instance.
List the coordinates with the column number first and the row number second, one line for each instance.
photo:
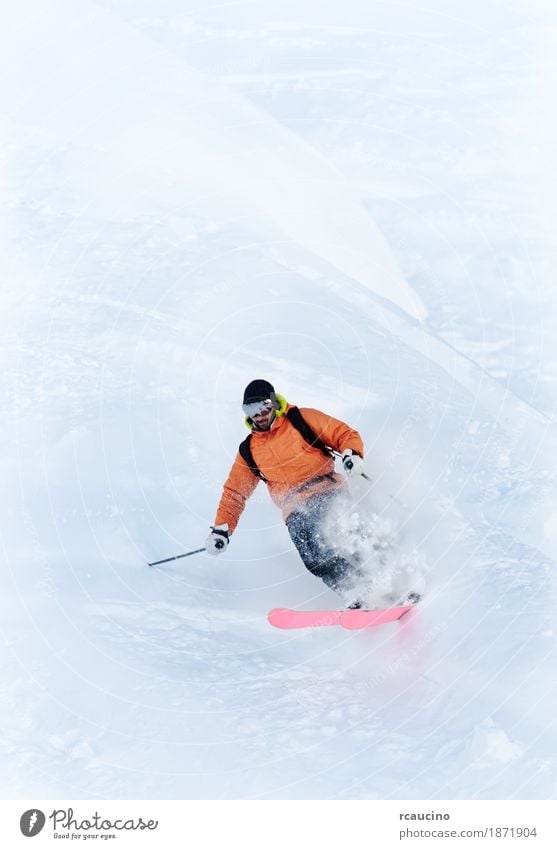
column 363, row 474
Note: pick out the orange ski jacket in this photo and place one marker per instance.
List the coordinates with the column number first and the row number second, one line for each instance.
column 294, row 470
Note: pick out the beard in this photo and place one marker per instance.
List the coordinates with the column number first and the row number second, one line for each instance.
column 267, row 425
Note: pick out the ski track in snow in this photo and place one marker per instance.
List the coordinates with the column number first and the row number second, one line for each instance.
column 158, row 257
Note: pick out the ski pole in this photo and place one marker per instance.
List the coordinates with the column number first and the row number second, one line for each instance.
column 178, row 556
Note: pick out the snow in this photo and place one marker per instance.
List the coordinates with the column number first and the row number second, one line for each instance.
column 358, row 204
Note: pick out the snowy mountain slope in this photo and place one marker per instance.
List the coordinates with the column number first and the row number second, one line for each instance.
column 134, row 313
column 140, row 121
column 438, row 117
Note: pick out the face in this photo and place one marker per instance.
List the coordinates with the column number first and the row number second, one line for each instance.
column 264, row 419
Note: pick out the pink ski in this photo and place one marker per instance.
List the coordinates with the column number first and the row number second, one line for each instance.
column 283, row 617
column 355, row 619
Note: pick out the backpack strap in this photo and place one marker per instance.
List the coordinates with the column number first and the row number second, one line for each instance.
column 247, row 456
column 307, row 433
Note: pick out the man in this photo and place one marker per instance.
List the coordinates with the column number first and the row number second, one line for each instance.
column 290, row 450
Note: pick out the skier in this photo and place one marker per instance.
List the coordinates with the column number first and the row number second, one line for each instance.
column 290, row 450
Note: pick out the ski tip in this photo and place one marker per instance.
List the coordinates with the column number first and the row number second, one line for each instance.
column 285, row 618
column 275, row 616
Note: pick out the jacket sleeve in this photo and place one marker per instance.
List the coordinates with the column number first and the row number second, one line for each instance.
column 333, row 432
column 238, row 487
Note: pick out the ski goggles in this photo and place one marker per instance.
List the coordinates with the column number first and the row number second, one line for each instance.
column 255, row 408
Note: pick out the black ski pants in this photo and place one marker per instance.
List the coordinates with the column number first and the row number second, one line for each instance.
column 305, row 527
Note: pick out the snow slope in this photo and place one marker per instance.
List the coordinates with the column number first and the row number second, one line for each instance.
column 193, row 198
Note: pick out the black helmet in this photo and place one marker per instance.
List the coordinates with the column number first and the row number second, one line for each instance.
column 256, row 392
